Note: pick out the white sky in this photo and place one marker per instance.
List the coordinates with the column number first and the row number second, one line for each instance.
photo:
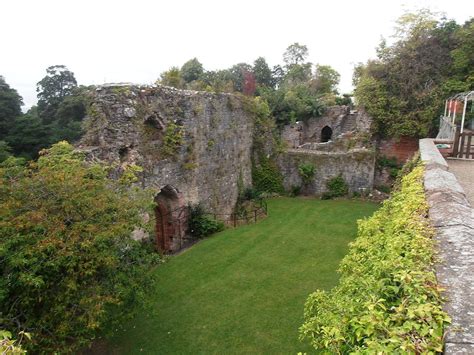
column 135, row 40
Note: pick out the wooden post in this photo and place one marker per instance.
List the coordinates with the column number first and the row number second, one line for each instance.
column 461, row 146
column 468, row 147
column 456, row 142
column 255, row 213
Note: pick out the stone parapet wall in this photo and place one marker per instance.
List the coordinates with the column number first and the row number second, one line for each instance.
column 356, row 167
column 451, row 215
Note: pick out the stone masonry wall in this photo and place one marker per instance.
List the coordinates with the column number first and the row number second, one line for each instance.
column 356, row 167
column 451, row 215
column 130, row 124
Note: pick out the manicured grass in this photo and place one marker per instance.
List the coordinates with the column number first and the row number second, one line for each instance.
column 242, row 291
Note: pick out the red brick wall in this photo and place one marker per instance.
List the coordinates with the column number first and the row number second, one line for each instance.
column 401, row 148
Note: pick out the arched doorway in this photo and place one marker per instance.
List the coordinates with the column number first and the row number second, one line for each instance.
column 326, row 134
column 171, row 219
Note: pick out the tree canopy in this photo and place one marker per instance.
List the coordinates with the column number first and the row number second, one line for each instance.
column 405, row 87
column 58, row 83
column 10, row 107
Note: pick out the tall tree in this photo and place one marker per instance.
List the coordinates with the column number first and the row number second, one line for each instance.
column 295, row 54
column 172, row 77
column 325, row 79
column 404, row 88
column 238, row 73
column 58, row 83
column 29, row 135
column 10, row 107
column 262, row 72
column 192, row 70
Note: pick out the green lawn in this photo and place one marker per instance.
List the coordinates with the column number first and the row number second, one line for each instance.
column 242, row 291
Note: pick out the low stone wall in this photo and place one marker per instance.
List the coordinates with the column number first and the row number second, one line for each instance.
column 356, row 167
column 451, row 215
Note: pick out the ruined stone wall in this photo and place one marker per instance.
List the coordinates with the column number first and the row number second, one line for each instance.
column 340, row 119
column 199, row 143
column 356, row 167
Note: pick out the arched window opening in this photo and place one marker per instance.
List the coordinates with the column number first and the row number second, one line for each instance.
column 326, row 134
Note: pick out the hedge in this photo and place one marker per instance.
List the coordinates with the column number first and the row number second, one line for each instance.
column 387, row 300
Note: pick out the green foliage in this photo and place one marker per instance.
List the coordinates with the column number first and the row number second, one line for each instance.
column 10, row 107
column 267, row 177
column 29, row 135
column 9, row 346
column 389, row 163
column 307, row 172
column 263, row 73
column 172, row 77
column 250, row 194
column 68, row 263
column 387, row 300
column 337, row 187
column 295, row 54
column 192, row 70
column 201, row 225
column 172, row 139
column 383, row 188
column 58, row 83
column 404, row 89
column 295, row 190
column 326, row 79
column 5, row 151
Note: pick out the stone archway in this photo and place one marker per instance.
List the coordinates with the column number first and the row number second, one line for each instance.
column 326, row 134
column 171, row 219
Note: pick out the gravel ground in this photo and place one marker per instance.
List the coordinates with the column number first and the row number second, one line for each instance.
column 464, row 171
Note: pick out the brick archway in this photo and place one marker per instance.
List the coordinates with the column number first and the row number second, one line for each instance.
column 171, row 219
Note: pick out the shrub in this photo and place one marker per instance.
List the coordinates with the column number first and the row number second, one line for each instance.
column 200, row 225
column 306, row 172
column 68, row 263
column 9, row 346
column 295, row 190
column 250, row 194
column 383, row 188
column 337, row 187
column 172, row 139
column 387, row 300
column 389, row 163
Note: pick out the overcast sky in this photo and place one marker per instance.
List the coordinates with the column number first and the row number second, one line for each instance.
column 135, row 40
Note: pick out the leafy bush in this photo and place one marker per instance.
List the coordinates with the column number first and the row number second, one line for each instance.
column 387, row 300
column 337, row 187
column 383, row 188
column 390, row 163
column 172, row 140
column 200, row 225
column 295, row 190
column 68, row 263
column 250, row 194
column 9, row 346
column 307, row 172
